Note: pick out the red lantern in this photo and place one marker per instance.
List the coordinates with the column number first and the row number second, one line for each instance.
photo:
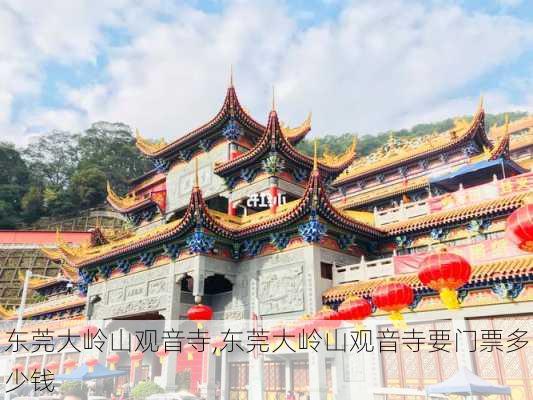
column 136, row 357
column 393, row 297
column 200, row 312
column 355, row 309
column 34, row 366
column 69, row 364
column 519, row 229
column 18, row 367
column 52, row 366
column 161, row 353
column 218, row 344
column 89, row 331
column 445, row 272
column 91, row 363
column 329, row 320
column 112, row 360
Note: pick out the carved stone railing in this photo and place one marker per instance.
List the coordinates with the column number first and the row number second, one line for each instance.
column 401, row 213
column 363, row 271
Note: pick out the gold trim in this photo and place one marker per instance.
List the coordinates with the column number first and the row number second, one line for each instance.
column 290, row 133
column 147, row 146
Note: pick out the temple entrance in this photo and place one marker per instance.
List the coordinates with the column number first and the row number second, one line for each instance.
column 238, row 381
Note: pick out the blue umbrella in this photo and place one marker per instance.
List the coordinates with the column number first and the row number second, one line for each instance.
column 82, row 373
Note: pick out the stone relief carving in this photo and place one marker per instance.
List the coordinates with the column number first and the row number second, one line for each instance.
column 138, row 306
column 180, row 178
column 280, row 290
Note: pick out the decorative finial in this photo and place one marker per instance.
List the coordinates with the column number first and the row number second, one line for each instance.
column 273, row 99
column 196, row 179
column 231, row 75
column 315, row 158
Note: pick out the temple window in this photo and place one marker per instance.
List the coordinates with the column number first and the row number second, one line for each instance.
column 326, row 270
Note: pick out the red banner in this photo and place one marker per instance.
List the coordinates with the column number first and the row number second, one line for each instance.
column 477, row 194
column 475, row 253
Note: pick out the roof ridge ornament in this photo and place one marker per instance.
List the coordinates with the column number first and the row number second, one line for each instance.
column 231, row 75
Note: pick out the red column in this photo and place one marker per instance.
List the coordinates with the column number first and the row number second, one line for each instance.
column 231, row 210
column 274, row 198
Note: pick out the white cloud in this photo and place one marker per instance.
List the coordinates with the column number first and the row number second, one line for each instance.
column 378, row 66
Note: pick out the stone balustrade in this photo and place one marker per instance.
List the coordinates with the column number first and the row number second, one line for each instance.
column 364, row 270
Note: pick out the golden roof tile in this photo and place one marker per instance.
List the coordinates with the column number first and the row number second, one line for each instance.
column 382, row 192
column 459, row 214
column 149, row 146
column 399, row 150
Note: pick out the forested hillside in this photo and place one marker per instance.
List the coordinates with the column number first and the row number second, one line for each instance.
column 61, row 173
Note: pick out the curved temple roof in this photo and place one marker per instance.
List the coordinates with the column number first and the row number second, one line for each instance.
column 274, row 140
column 230, row 108
column 315, row 197
column 418, row 148
column 128, row 203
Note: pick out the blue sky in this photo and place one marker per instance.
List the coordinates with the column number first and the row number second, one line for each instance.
column 162, row 67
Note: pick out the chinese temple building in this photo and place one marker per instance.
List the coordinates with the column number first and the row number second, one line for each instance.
column 233, row 216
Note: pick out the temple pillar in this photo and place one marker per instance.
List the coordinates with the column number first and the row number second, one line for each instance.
column 224, row 376
column 464, row 356
column 318, row 389
column 232, row 210
column 289, row 387
column 256, row 384
column 209, row 387
column 168, row 368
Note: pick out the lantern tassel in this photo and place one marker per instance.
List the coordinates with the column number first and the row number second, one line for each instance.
column 397, row 320
column 449, row 298
column 330, row 337
column 359, row 326
column 112, row 367
column 189, row 356
column 217, row 352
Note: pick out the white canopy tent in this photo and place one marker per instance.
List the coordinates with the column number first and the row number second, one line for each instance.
column 465, row 383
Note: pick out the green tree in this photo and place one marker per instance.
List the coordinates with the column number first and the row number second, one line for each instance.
column 87, row 188
column 53, row 158
column 111, row 148
column 14, row 178
column 32, row 204
column 145, row 389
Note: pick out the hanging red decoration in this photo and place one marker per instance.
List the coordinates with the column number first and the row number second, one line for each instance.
column 392, row 297
column 445, row 272
column 189, row 349
column 136, row 357
column 519, row 229
column 355, row 309
column 18, row 367
column 91, row 363
column 52, row 366
column 112, row 361
column 89, row 331
column 218, row 343
column 161, row 353
column 199, row 313
column 328, row 320
column 34, row 366
column 69, row 364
